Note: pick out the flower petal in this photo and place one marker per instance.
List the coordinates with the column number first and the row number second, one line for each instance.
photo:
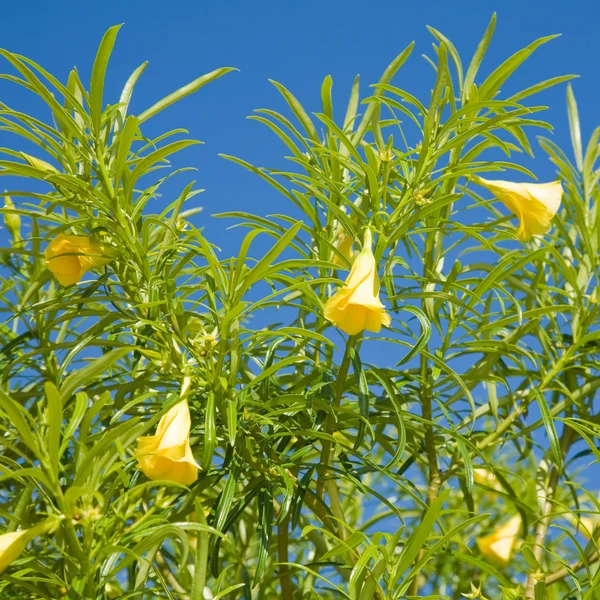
column 356, row 306
column 534, row 203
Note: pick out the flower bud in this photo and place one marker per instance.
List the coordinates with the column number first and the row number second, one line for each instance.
column 13, row 544
column 12, row 221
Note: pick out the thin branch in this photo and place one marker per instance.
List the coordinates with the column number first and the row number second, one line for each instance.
column 566, row 571
column 283, row 557
column 170, row 577
column 546, row 509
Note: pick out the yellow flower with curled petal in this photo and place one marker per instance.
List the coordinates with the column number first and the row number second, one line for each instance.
column 356, row 305
column 70, row 257
column 14, row 543
column 499, row 546
column 167, row 454
column 534, row 203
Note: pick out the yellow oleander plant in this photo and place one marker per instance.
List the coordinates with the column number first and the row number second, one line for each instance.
column 394, row 395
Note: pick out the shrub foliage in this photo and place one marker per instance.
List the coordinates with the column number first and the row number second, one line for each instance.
column 374, row 465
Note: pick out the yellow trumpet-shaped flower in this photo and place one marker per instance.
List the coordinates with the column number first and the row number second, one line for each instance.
column 499, row 546
column 14, row 543
column 70, row 257
column 356, row 305
column 345, row 245
column 534, row 203
column 167, row 454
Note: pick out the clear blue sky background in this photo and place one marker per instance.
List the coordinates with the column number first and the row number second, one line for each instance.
column 296, row 43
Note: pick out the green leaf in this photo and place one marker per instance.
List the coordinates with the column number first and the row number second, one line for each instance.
column 298, row 111
column 201, row 558
column 423, row 338
column 574, row 127
column 498, row 77
column 88, row 374
column 387, row 76
column 210, row 434
column 154, row 157
column 265, row 528
column 452, row 51
column 363, row 398
column 257, row 271
column 419, row 537
column 125, row 98
column 228, row 590
column 550, row 429
column 99, row 74
column 54, row 417
column 181, row 93
column 352, row 107
column 16, row 417
column 326, row 96
column 478, row 58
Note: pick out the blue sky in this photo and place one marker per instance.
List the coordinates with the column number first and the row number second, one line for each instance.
column 296, row 43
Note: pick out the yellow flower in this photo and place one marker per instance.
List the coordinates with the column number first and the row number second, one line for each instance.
column 534, row 203
column 14, row 543
column 484, row 477
column 69, row 257
column 499, row 546
column 11, row 546
column 167, row 454
column 587, row 527
column 356, row 305
column 345, row 245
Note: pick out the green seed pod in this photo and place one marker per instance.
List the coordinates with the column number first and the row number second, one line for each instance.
column 12, row 221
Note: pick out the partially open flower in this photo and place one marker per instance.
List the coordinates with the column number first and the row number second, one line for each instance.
column 499, row 546
column 534, row 203
column 167, row 454
column 70, row 257
column 356, row 305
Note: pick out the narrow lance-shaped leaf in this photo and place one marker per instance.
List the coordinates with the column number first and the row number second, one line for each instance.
column 181, row 93
column 99, row 74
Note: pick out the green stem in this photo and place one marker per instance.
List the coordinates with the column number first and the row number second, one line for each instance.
column 546, row 502
column 283, row 557
column 326, row 457
column 76, row 548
